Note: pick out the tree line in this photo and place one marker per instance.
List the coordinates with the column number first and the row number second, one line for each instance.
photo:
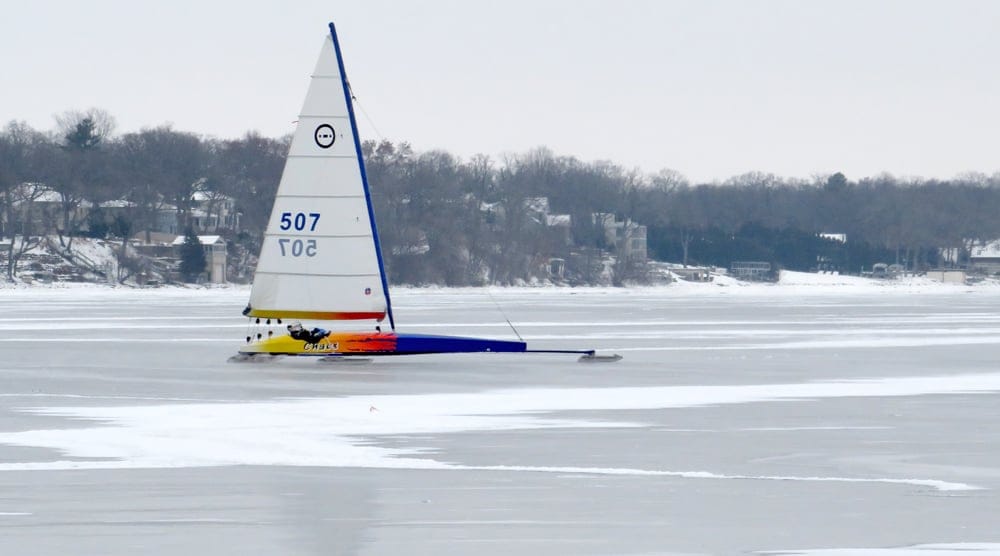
column 83, row 161
column 453, row 221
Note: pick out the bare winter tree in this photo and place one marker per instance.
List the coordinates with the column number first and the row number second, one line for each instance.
column 21, row 154
column 21, row 216
column 248, row 169
column 79, row 167
column 102, row 124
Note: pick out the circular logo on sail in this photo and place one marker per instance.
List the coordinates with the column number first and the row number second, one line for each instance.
column 325, row 136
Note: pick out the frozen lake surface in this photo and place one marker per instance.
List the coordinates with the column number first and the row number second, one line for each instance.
column 807, row 421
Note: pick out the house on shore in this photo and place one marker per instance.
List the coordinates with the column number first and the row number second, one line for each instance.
column 986, row 258
column 628, row 237
column 215, row 256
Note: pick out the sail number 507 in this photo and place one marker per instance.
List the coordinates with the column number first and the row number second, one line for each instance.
column 297, row 247
column 299, row 221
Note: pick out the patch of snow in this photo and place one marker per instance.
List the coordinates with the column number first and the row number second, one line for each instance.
column 791, row 278
column 204, row 240
column 988, row 251
column 938, row 549
column 97, row 251
column 339, row 432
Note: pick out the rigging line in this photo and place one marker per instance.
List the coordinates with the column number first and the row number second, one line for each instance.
column 354, row 99
column 499, row 308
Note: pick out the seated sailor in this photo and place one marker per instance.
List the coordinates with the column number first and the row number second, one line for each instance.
column 314, row 336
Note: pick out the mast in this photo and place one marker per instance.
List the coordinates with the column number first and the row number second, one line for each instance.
column 364, row 175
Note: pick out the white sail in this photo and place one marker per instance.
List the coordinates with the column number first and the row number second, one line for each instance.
column 319, row 257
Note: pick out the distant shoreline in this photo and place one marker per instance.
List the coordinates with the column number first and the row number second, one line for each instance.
column 790, row 283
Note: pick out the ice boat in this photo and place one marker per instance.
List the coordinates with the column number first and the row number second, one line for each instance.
column 321, row 259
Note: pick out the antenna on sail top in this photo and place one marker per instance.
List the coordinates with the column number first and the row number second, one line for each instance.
column 371, row 122
column 499, row 308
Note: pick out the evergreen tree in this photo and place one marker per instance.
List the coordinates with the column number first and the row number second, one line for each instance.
column 192, row 257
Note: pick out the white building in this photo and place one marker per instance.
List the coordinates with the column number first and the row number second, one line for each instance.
column 986, row 257
column 628, row 237
column 215, row 256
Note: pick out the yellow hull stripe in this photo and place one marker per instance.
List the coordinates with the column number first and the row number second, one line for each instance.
column 335, row 342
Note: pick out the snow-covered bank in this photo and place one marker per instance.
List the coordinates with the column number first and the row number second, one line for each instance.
column 808, row 283
column 790, row 278
column 85, row 288
column 82, row 291
column 790, row 283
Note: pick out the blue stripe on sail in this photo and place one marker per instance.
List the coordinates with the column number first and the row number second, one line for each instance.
column 364, row 174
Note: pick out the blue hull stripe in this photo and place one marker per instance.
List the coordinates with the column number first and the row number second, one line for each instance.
column 420, row 343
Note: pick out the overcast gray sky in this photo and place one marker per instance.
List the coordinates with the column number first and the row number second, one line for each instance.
column 711, row 88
